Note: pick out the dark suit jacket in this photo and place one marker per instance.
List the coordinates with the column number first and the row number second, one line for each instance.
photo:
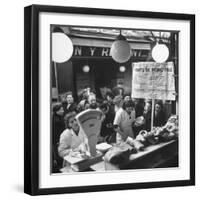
column 72, row 107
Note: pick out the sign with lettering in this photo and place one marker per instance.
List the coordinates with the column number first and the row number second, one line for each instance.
column 85, row 51
column 153, row 80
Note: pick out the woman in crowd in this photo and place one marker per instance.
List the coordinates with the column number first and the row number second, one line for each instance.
column 57, row 127
column 72, row 138
column 159, row 114
column 107, row 132
column 118, row 102
column 123, row 121
column 68, row 103
column 127, row 97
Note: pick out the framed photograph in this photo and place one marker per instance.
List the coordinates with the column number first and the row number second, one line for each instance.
column 109, row 99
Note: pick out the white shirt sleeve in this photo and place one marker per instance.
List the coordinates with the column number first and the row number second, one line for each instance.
column 118, row 117
column 64, row 147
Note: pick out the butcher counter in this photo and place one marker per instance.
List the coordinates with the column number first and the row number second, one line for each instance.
column 162, row 155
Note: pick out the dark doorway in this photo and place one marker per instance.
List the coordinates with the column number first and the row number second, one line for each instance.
column 105, row 74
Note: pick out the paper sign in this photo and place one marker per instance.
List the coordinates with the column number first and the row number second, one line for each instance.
column 153, row 80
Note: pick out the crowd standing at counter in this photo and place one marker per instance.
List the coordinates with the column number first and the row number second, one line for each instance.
column 122, row 117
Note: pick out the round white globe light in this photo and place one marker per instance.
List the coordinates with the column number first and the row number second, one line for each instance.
column 86, row 68
column 120, row 51
column 122, row 69
column 62, row 47
column 160, row 53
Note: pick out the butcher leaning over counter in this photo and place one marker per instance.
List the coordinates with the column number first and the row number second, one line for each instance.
column 123, row 122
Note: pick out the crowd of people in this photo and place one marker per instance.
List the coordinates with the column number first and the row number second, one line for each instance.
column 122, row 117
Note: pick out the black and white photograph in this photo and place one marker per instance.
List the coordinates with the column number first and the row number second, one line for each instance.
column 114, row 99
column 109, row 100
column 98, row 100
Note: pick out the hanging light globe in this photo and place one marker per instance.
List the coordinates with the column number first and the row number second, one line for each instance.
column 120, row 50
column 62, row 47
column 160, row 53
column 86, row 68
column 122, row 69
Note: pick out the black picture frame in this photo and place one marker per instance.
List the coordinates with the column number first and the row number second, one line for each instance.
column 31, row 98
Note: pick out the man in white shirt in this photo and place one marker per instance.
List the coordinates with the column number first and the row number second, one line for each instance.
column 123, row 122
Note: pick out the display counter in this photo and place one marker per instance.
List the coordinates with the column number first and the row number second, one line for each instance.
column 161, row 155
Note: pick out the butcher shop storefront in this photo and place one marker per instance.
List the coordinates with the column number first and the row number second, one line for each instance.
column 120, row 88
column 92, row 64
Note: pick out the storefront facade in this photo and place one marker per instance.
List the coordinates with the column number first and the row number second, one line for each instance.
column 91, row 64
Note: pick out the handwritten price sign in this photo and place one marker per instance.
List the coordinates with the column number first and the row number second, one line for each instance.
column 153, row 80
